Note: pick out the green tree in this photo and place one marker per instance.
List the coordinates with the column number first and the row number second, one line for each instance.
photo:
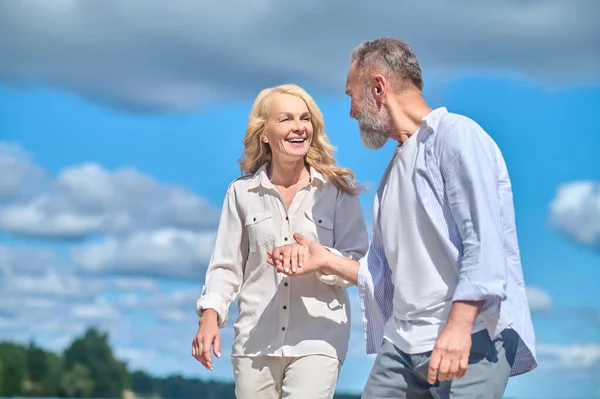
column 93, row 351
column 36, row 363
column 14, row 371
column 1, row 375
column 54, row 375
column 77, row 382
column 143, row 384
column 35, row 360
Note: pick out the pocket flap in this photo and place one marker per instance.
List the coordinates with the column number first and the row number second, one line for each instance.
column 254, row 218
column 320, row 220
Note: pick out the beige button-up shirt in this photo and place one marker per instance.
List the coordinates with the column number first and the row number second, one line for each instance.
column 281, row 315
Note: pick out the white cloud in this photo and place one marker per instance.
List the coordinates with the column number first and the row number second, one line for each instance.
column 97, row 310
column 173, row 307
column 19, row 174
column 176, row 56
column 33, row 273
column 88, row 199
column 576, row 356
column 539, row 300
column 59, row 302
column 136, row 284
column 160, row 253
column 575, row 211
column 25, row 260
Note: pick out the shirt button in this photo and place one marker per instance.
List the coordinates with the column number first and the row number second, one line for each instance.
column 320, row 221
column 287, row 218
column 282, row 328
column 284, row 238
column 254, row 220
column 286, row 284
column 284, row 307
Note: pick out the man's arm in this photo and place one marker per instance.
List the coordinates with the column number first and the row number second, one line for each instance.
column 471, row 186
column 315, row 258
column 344, row 268
column 466, row 157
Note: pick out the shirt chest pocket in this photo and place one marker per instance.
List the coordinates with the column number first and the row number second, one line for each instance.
column 319, row 227
column 261, row 230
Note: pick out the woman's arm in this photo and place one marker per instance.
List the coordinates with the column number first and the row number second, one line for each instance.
column 225, row 271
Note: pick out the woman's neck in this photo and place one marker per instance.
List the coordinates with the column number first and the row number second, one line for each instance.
column 286, row 173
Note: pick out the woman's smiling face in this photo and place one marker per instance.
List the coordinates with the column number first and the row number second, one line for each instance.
column 289, row 129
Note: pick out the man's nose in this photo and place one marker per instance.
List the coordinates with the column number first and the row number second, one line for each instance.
column 352, row 111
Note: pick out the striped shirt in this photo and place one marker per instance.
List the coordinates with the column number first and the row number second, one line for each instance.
column 462, row 183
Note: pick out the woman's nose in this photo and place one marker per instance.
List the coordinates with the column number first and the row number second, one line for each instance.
column 297, row 127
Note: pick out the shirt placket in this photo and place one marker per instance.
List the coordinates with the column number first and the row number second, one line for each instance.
column 285, row 284
column 287, row 231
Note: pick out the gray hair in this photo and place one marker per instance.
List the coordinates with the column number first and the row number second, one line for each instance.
column 391, row 56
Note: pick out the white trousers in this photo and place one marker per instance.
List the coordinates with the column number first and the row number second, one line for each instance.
column 270, row 377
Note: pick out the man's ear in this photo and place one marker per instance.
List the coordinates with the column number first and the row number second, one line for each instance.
column 378, row 88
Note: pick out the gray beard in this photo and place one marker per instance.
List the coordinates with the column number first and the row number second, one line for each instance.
column 372, row 129
column 373, row 139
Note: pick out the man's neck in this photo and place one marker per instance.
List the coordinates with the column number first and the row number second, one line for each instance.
column 286, row 173
column 407, row 111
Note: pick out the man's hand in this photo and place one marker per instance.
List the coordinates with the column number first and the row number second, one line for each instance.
column 207, row 336
column 303, row 257
column 450, row 356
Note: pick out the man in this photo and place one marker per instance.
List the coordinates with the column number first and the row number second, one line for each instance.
column 441, row 288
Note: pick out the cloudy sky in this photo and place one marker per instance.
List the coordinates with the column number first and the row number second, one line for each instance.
column 121, row 124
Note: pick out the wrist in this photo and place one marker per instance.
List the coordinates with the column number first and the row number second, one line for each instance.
column 463, row 314
column 327, row 265
column 460, row 324
column 209, row 314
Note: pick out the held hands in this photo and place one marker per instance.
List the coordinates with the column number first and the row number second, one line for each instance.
column 207, row 336
column 302, row 257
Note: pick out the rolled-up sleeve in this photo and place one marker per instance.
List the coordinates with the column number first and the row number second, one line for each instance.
column 471, row 187
column 225, row 270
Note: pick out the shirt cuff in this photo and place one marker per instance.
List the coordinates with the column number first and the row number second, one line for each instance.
column 333, row 279
column 470, row 291
column 335, row 251
column 210, row 301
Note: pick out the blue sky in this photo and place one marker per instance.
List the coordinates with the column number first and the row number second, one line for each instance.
column 110, row 191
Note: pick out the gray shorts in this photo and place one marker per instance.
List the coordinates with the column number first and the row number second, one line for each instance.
column 397, row 375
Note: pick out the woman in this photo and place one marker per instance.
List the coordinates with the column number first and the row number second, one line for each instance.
column 291, row 335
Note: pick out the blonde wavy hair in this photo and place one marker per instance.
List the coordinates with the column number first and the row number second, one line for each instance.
column 320, row 153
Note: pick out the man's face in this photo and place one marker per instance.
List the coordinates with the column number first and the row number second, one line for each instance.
column 373, row 121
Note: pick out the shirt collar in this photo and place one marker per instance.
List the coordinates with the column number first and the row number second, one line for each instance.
column 433, row 118
column 262, row 179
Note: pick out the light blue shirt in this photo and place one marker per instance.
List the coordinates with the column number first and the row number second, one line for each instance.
column 462, row 183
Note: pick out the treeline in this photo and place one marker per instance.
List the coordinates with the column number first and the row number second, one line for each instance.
column 88, row 369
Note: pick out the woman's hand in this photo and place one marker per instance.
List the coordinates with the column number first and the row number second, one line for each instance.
column 288, row 258
column 207, row 335
column 302, row 257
